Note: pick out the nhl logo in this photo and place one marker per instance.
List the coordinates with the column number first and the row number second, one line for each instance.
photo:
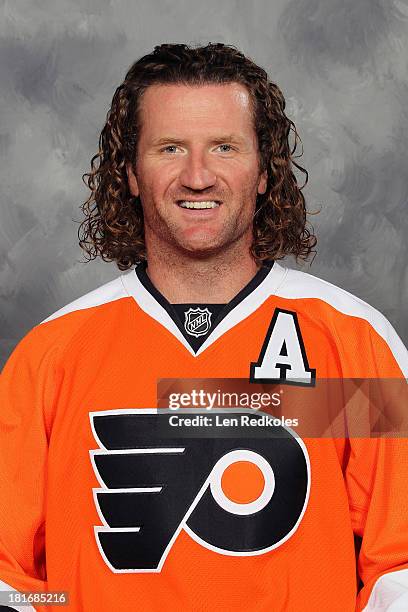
column 197, row 321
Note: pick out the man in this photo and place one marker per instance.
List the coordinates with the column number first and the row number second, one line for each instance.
column 194, row 183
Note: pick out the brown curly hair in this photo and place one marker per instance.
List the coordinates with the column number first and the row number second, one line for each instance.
column 113, row 227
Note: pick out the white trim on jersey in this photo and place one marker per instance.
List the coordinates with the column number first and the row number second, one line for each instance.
column 151, row 306
column 6, row 587
column 280, row 281
column 245, row 308
column 109, row 292
column 390, row 593
column 301, row 285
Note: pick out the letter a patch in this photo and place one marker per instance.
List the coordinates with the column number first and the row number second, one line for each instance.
column 283, row 356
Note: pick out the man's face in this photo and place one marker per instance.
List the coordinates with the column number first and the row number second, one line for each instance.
column 197, row 145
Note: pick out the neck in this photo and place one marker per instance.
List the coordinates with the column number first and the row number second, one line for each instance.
column 188, row 279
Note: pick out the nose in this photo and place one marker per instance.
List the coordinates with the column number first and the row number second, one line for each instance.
column 196, row 173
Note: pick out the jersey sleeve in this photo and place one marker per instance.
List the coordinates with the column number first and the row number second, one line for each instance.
column 376, row 479
column 26, row 388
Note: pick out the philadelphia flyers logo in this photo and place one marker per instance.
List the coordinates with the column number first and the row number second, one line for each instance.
column 156, row 481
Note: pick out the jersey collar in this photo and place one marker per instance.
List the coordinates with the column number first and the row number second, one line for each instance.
column 265, row 283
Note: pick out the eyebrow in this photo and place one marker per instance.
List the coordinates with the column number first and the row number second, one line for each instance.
column 167, row 140
column 178, row 141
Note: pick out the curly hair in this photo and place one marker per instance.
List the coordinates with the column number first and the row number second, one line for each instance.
column 113, row 227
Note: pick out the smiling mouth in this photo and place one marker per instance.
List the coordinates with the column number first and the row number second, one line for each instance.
column 194, row 205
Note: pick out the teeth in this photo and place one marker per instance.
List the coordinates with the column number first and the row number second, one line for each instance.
column 209, row 204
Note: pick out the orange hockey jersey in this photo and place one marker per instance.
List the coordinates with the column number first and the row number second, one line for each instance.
column 99, row 501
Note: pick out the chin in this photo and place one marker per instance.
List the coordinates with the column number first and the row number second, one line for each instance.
column 200, row 251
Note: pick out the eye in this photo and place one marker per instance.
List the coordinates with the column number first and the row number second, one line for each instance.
column 225, row 148
column 169, row 149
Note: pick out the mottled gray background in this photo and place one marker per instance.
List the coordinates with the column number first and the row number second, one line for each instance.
column 342, row 65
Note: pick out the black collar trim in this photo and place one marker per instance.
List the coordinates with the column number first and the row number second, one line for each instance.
column 195, row 343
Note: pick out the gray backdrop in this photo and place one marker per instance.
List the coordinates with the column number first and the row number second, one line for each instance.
column 342, row 65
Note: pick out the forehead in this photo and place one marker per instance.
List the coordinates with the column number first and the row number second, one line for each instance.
column 194, row 108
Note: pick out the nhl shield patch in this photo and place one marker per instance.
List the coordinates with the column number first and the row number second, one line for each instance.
column 197, row 321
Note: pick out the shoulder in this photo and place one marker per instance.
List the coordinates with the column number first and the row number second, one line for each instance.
column 102, row 295
column 299, row 285
column 55, row 333
column 334, row 306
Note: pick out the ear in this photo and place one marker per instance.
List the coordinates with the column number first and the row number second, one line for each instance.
column 263, row 181
column 132, row 180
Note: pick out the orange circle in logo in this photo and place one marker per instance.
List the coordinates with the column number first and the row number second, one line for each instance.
column 242, row 482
